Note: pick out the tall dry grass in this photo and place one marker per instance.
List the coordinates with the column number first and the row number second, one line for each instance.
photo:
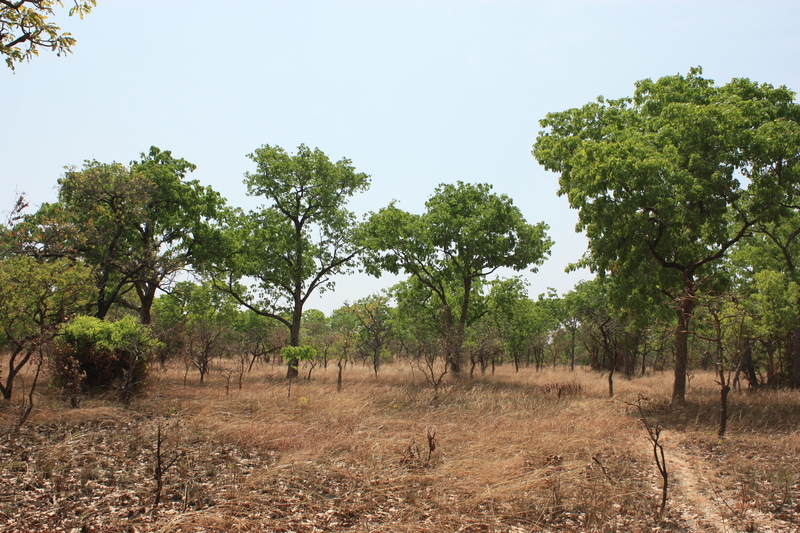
column 527, row 451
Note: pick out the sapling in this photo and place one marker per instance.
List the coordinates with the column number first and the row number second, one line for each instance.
column 431, row 442
column 654, row 436
column 433, row 375
column 161, row 466
column 295, row 354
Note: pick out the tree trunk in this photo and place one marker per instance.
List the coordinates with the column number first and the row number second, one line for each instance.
column 292, row 370
column 796, row 357
column 611, row 382
column 746, row 364
column 724, row 389
column 14, row 368
column 572, row 350
column 147, row 293
column 685, row 310
column 453, row 350
column 376, row 358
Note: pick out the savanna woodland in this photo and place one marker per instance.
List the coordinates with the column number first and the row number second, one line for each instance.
column 163, row 371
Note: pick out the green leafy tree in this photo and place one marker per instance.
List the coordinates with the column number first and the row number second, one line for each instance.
column 317, row 333
column 375, row 318
column 136, row 226
column 606, row 329
column 35, row 298
column 774, row 248
column 293, row 355
column 345, row 326
column 764, row 269
column 418, row 331
column 656, row 179
column 569, row 316
column 208, row 319
column 291, row 246
column 466, row 234
column 514, row 316
column 25, row 27
column 259, row 337
column 775, row 308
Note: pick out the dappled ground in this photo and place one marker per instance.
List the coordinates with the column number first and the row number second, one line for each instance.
column 523, row 452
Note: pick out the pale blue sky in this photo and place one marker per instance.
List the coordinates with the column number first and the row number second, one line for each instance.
column 414, row 93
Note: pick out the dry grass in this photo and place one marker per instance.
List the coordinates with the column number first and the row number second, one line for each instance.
column 534, row 451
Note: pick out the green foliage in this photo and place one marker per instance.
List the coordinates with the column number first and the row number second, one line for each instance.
column 293, row 244
column 35, row 297
column 135, row 225
column 98, row 354
column 293, row 354
column 125, row 334
column 522, row 324
column 198, row 320
column 315, row 322
column 345, row 326
column 465, row 235
column 25, row 27
column 375, row 323
column 656, row 179
column 775, row 303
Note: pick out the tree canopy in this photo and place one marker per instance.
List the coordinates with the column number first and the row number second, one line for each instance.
column 466, row 234
column 136, row 225
column 663, row 181
column 35, row 297
column 295, row 242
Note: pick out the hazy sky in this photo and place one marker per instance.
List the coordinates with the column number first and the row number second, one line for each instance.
column 415, row 93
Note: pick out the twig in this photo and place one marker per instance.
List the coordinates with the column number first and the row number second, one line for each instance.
column 603, row 468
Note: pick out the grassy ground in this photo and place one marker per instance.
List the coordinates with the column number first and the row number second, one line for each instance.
column 526, row 452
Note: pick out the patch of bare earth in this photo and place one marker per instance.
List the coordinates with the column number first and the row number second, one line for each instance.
column 693, row 488
column 748, row 481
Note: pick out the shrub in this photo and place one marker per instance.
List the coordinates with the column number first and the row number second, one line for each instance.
column 96, row 354
column 293, row 354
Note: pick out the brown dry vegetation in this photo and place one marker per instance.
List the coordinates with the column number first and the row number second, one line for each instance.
column 512, row 452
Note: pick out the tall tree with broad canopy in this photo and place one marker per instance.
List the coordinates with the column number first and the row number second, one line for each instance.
column 25, row 27
column 659, row 180
column 466, row 234
column 292, row 245
column 136, row 226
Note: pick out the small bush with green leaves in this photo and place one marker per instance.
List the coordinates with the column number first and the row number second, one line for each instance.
column 95, row 354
